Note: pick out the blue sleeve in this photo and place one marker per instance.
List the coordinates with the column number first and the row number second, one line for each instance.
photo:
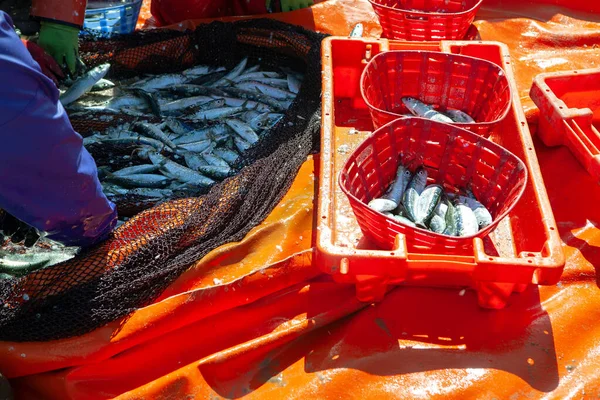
column 47, row 178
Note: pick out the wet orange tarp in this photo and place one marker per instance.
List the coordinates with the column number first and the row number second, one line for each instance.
column 256, row 319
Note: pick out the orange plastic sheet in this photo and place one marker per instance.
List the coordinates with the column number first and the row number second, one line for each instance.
column 257, row 320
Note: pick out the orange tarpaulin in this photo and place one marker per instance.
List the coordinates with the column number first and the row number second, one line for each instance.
column 256, row 319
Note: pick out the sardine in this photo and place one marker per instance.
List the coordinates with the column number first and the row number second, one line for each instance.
column 413, row 191
column 196, row 147
column 467, row 222
column 459, row 116
column 151, row 193
column 382, row 205
column 153, row 132
column 179, row 172
column 247, row 104
column 140, row 180
column 293, row 84
column 398, row 186
column 217, row 113
column 232, row 75
column 426, row 205
column 484, row 218
column 243, row 130
column 438, row 220
column 161, row 82
column 271, row 91
column 184, row 103
column 423, row 110
column 229, row 156
column 84, row 84
column 137, row 169
column 248, row 76
column 214, row 159
column 101, row 85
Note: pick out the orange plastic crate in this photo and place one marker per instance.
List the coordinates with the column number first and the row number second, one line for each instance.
column 524, row 249
column 569, row 104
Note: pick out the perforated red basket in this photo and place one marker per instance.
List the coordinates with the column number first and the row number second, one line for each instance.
column 478, row 87
column 425, row 20
column 453, row 157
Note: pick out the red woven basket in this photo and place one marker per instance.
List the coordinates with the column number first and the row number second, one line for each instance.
column 423, row 20
column 478, row 87
column 453, row 157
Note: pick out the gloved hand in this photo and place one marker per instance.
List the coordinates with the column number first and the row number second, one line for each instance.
column 49, row 66
column 287, row 5
column 17, row 230
column 61, row 42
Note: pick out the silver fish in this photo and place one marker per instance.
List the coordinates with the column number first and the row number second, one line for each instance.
column 199, row 70
column 101, row 85
column 242, row 129
column 256, row 96
column 423, row 110
column 194, row 161
column 293, row 83
column 227, row 79
column 140, row 180
column 484, row 218
column 217, row 113
column 197, row 147
column 382, row 205
column 398, row 186
column 248, row 76
column 271, row 91
column 229, row 156
column 214, row 160
column 438, row 220
column 180, row 104
column 357, row 31
column 459, row 116
column 161, row 82
column 141, row 140
column 413, row 191
column 153, row 132
column 247, row 104
column 84, row 84
column 426, row 205
column 241, row 144
column 151, row 193
column 179, row 172
column 137, row 169
column 467, row 222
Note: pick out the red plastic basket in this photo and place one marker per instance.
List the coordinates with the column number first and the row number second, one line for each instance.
column 454, row 158
column 478, row 87
column 420, row 20
column 569, row 103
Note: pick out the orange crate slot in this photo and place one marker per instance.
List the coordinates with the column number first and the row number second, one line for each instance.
column 523, row 249
column 569, row 104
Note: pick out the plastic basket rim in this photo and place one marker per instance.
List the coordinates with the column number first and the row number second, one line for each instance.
column 408, row 120
column 133, row 3
column 425, row 13
column 363, row 74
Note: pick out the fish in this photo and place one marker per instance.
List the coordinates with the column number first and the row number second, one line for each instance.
column 438, row 220
column 181, row 104
column 149, row 99
column 229, row 156
column 140, row 180
column 137, row 169
column 451, row 219
column 249, row 76
column 179, row 172
column 199, row 70
column 217, row 113
column 293, row 83
column 241, row 144
column 197, row 147
column 243, row 130
column 84, row 84
column 213, row 159
column 232, row 75
column 413, row 191
column 459, row 116
column 426, row 205
column 152, row 131
column 357, row 31
column 136, row 139
column 398, row 186
column 483, row 216
column 421, row 109
column 101, row 85
column 247, row 104
column 151, row 193
column 161, row 82
column 382, row 205
column 262, row 88
column 466, row 221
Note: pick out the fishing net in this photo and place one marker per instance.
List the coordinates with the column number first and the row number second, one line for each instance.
column 146, row 254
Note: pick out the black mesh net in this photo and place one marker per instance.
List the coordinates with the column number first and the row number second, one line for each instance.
column 158, row 244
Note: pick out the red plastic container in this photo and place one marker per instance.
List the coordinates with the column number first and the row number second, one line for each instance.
column 454, row 158
column 478, row 87
column 569, row 104
column 421, row 20
column 524, row 249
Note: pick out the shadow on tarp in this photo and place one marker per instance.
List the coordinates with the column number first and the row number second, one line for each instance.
column 412, row 330
column 574, row 201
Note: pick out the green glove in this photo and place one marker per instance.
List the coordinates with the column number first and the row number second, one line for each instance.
column 290, row 5
column 61, row 42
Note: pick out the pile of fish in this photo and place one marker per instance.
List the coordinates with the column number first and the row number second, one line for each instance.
column 410, row 201
column 420, row 109
column 208, row 117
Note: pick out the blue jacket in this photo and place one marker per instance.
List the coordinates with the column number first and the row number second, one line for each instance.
column 47, row 178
